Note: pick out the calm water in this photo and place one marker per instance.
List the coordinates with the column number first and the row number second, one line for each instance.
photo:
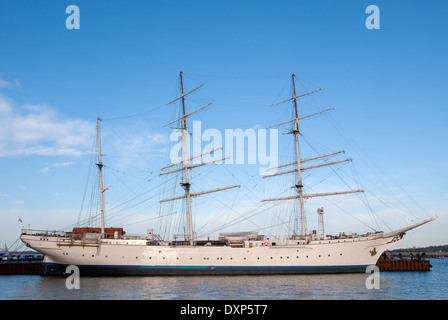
column 432, row 285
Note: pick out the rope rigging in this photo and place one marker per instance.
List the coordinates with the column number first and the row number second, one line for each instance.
column 244, row 206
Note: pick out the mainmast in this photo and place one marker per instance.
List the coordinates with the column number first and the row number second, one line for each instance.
column 185, row 161
column 186, row 184
column 299, row 185
column 100, row 169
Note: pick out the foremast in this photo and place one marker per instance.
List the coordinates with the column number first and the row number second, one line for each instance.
column 298, row 163
column 100, row 171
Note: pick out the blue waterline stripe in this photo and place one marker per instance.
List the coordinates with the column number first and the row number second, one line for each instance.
column 214, row 267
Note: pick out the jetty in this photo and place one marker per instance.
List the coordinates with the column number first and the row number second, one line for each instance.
column 19, row 267
column 408, row 261
column 27, row 262
column 404, row 265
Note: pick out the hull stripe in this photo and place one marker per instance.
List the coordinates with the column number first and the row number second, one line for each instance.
column 211, row 267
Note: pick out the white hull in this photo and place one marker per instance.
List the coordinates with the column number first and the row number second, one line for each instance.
column 136, row 257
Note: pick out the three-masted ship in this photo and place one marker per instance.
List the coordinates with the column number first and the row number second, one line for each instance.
column 100, row 250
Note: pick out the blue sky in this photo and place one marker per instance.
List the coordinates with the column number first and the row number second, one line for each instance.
column 387, row 86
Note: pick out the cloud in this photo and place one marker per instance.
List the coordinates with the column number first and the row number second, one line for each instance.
column 56, row 165
column 39, row 130
column 8, row 84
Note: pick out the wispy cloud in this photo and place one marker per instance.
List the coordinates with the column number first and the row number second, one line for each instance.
column 9, row 84
column 39, row 130
column 56, row 165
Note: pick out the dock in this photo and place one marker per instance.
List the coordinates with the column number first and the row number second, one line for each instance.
column 404, row 265
column 19, row 267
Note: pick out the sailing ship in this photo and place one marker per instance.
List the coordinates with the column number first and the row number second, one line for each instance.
column 100, row 250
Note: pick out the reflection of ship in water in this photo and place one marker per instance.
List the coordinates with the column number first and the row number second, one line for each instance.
column 109, row 251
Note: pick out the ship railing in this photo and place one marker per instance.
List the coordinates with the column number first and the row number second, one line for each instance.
column 45, row 233
column 348, row 235
column 134, row 237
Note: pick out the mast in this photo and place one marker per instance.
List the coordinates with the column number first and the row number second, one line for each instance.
column 299, row 186
column 185, row 160
column 186, row 184
column 100, row 169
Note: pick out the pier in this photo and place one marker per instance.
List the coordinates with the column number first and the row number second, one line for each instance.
column 403, row 265
column 14, row 262
column 19, row 267
column 408, row 261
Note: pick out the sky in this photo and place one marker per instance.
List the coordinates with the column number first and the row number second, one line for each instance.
column 387, row 86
